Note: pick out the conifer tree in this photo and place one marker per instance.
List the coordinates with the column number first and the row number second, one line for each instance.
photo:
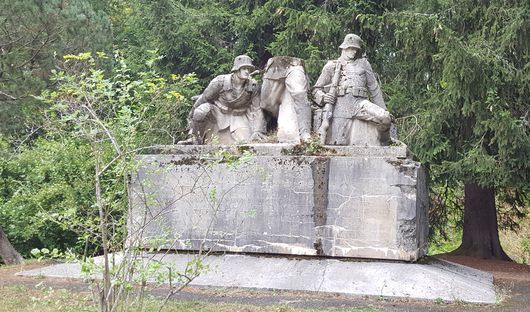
column 462, row 70
column 205, row 36
column 33, row 35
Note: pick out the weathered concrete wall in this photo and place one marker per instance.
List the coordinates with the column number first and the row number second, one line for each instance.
column 347, row 205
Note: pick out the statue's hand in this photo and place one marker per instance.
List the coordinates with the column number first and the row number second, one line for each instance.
column 329, row 98
column 257, row 136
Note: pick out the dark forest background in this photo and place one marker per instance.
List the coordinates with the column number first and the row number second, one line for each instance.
column 455, row 74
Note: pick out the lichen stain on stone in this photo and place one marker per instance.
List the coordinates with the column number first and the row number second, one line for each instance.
column 186, row 161
column 405, row 166
column 320, row 173
column 395, row 162
column 245, row 148
column 300, row 160
column 408, row 232
column 295, row 161
column 305, row 149
column 406, row 189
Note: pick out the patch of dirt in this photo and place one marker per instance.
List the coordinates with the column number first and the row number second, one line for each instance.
column 8, row 277
column 501, row 270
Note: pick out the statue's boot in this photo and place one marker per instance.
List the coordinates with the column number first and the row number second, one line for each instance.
column 188, row 141
column 197, row 132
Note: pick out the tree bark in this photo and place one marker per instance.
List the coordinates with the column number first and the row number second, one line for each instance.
column 8, row 254
column 480, row 237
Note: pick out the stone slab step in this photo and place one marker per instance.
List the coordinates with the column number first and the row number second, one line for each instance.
column 434, row 280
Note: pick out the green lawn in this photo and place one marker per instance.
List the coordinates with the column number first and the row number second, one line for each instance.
column 45, row 299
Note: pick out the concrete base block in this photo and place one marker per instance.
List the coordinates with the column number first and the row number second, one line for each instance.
column 361, row 202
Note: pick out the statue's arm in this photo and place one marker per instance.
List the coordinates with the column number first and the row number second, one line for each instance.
column 373, row 86
column 212, row 91
column 323, row 83
column 209, row 95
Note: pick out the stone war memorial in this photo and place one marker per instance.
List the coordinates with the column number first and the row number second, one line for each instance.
column 351, row 192
column 292, row 186
column 286, row 185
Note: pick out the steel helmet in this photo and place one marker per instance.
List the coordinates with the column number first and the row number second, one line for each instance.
column 242, row 60
column 351, row 41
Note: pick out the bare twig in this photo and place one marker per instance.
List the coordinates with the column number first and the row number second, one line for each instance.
column 8, row 95
column 107, row 131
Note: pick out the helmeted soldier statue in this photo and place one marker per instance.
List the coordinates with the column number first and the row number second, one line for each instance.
column 227, row 110
column 354, row 110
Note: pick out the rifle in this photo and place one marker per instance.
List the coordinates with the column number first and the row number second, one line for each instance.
column 327, row 112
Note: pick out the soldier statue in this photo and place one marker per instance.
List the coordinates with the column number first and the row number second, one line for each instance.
column 354, row 110
column 284, row 96
column 228, row 109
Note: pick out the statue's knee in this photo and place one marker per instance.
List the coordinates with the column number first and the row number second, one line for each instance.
column 200, row 113
column 386, row 121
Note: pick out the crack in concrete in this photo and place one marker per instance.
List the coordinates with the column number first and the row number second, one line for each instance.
column 326, row 264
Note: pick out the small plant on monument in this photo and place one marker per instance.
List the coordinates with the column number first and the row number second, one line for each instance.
column 230, row 159
column 113, row 116
column 312, row 147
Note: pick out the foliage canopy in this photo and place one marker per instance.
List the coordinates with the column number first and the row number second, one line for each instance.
column 455, row 74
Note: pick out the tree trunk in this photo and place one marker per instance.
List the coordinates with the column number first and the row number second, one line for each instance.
column 8, row 254
column 480, row 237
column 106, row 295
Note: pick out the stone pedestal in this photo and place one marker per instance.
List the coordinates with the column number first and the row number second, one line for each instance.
column 362, row 202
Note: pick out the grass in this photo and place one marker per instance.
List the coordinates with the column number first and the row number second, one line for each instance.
column 439, row 245
column 22, row 298
column 515, row 243
column 45, row 299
